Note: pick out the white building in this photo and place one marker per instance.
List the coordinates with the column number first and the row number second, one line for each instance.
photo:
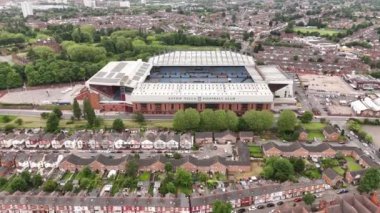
column 27, row 9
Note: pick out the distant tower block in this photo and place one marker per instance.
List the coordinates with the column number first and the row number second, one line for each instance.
column 27, row 9
column 143, row 1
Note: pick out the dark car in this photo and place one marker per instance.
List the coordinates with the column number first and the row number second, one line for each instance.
column 280, row 203
column 241, row 210
column 261, row 207
column 298, row 199
column 270, row 205
column 342, row 191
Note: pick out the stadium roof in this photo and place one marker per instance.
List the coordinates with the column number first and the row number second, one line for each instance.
column 209, row 92
column 272, row 73
column 127, row 73
column 202, row 58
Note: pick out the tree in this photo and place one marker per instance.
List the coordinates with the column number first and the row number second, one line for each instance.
column 77, row 112
column 207, row 120
column 221, row 122
column 329, row 163
column 286, row 121
column 219, row 206
column 277, row 168
column 132, row 168
column 170, row 188
column 295, row 57
column 183, row 178
column 139, row 118
column 52, row 123
column 19, row 121
column 37, row 180
column 232, row 120
column 306, row 117
column 308, row 198
column 118, row 125
column 168, row 167
column 192, row 119
column 58, row 112
column 298, row 164
column 89, row 113
column 370, row 181
column 18, row 184
column 179, row 120
column 68, row 187
column 258, row 121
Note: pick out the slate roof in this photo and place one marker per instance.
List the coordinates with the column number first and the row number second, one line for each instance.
column 330, row 129
column 246, row 134
column 224, row 133
column 203, row 135
column 330, row 173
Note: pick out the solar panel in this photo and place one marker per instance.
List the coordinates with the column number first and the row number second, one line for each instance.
column 119, row 67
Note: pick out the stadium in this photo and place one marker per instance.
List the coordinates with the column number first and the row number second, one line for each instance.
column 184, row 79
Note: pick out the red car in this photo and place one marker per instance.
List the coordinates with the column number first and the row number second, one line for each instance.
column 298, row 199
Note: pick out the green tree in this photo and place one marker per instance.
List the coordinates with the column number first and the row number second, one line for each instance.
column 207, row 120
column 139, row 118
column 58, row 112
column 118, row 125
column 286, row 121
column 308, row 198
column 168, row 167
column 179, row 122
column 258, row 121
column 221, row 122
column 77, row 112
column 183, row 178
column 37, row 180
column 232, row 120
column 329, row 163
column 298, row 164
column 52, row 123
column 68, row 187
column 306, row 117
column 89, row 113
column 370, row 181
column 192, row 119
column 132, row 168
column 277, row 168
column 170, row 188
column 18, row 184
column 19, row 121
column 219, row 206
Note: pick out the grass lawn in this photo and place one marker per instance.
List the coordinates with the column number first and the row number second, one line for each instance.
column 322, row 31
column 145, row 176
column 315, row 134
column 66, row 176
column 255, row 151
column 352, row 165
column 339, row 170
column 11, row 118
column 36, row 122
column 314, row 126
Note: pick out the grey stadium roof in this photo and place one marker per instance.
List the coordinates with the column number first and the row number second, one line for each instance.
column 118, row 73
column 202, row 58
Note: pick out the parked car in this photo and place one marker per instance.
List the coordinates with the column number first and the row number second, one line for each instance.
column 241, row 210
column 280, row 203
column 342, row 191
column 298, row 199
column 252, row 208
column 270, row 205
column 261, row 207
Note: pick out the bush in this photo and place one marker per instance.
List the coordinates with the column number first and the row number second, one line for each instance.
column 9, row 128
column 6, row 119
column 19, row 121
column 44, row 115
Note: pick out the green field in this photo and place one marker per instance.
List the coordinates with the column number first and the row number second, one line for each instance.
column 352, row 165
column 145, row 176
column 36, row 122
column 321, row 31
column 10, row 118
column 339, row 170
column 255, row 151
column 314, row 130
